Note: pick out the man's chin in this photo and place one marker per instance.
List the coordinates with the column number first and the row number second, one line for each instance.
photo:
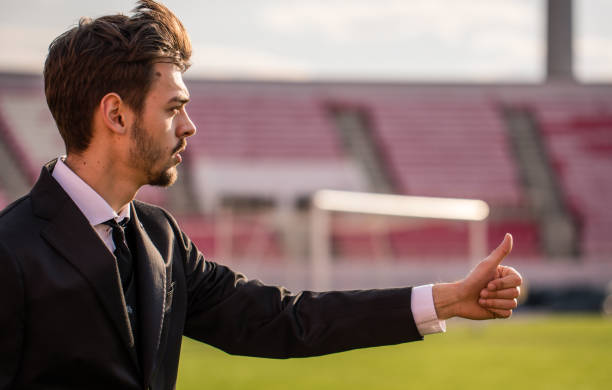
column 165, row 178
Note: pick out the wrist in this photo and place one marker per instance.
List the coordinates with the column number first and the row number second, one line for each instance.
column 446, row 297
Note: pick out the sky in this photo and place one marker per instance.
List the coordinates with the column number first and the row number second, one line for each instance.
column 405, row 40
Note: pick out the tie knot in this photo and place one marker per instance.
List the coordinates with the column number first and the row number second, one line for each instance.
column 114, row 224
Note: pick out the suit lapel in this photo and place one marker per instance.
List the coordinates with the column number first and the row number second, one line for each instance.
column 151, row 274
column 69, row 232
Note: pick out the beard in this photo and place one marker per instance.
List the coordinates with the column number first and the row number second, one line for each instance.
column 145, row 154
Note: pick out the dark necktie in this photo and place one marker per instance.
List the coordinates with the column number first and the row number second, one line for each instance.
column 122, row 252
column 126, row 268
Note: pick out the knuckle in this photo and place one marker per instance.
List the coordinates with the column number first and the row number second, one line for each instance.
column 519, row 278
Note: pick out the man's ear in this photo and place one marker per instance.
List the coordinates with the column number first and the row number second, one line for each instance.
column 114, row 113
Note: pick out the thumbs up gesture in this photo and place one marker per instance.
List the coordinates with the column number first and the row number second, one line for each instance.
column 489, row 291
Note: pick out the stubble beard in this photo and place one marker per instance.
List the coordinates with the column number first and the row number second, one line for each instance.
column 144, row 154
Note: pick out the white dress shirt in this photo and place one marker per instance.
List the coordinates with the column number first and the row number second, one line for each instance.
column 92, row 205
column 97, row 211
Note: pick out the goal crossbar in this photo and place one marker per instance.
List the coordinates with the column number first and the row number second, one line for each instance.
column 324, row 202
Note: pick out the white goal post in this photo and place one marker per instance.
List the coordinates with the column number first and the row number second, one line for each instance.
column 324, row 202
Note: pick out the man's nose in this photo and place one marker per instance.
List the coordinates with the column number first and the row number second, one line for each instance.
column 186, row 127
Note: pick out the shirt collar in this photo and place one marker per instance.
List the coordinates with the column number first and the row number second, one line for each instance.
column 91, row 204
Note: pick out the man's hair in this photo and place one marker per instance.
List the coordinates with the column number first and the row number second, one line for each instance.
column 113, row 53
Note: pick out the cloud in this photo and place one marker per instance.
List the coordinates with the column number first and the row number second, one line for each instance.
column 344, row 21
column 477, row 39
column 594, row 58
column 24, row 47
column 228, row 61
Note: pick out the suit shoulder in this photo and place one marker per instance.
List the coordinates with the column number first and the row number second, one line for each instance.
column 153, row 214
column 16, row 212
column 17, row 220
column 14, row 207
column 161, row 225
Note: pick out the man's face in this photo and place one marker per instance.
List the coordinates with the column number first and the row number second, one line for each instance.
column 158, row 134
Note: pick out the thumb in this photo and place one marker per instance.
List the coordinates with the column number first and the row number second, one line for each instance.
column 502, row 250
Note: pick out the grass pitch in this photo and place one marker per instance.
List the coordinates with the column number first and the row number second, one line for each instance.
column 529, row 352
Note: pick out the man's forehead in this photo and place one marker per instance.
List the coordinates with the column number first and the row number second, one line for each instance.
column 168, row 77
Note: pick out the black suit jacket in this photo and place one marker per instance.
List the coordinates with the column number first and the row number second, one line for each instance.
column 63, row 319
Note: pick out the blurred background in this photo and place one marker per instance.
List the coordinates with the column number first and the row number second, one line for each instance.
column 508, row 101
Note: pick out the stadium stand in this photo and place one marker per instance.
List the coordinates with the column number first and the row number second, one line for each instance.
column 250, row 127
column 435, row 141
column 438, row 147
column 278, row 142
column 578, row 136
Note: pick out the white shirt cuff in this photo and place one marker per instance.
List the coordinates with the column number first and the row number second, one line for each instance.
column 424, row 311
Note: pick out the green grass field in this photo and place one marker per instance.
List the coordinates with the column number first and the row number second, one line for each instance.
column 526, row 352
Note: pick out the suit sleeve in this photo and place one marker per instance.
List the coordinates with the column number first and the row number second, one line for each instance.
column 246, row 317
column 11, row 318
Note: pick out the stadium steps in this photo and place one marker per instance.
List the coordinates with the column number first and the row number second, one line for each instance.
column 352, row 125
column 557, row 230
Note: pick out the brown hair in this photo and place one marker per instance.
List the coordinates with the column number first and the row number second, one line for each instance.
column 113, row 53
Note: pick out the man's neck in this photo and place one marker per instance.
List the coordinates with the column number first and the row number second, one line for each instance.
column 105, row 178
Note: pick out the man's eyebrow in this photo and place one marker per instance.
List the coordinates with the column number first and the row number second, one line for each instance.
column 179, row 99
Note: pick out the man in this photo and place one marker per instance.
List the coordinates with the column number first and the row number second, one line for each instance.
column 97, row 289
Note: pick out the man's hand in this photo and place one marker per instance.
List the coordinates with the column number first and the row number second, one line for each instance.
column 489, row 291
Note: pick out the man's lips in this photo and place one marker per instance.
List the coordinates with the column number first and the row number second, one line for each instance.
column 179, row 149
